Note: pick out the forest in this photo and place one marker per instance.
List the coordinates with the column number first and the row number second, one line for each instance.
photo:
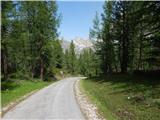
column 127, row 54
column 30, row 44
column 126, row 39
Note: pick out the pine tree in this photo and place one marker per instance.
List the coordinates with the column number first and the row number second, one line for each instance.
column 42, row 23
column 95, row 32
column 72, row 58
column 32, row 26
column 123, row 33
column 66, row 60
column 7, row 13
column 57, row 54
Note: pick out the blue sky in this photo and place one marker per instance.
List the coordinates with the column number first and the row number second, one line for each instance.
column 77, row 17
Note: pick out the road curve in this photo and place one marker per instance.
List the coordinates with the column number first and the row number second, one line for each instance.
column 56, row 101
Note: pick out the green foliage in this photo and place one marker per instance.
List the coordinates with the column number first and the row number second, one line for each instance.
column 20, row 75
column 87, row 61
column 125, row 40
column 66, row 59
column 57, row 54
column 95, row 32
column 129, row 36
column 7, row 10
column 72, row 58
column 29, row 38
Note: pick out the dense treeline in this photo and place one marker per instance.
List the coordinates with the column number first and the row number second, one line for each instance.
column 30, row 45
column 29, row 39
column 128, row 37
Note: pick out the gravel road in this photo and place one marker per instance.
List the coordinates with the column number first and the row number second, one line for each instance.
column 56, row 101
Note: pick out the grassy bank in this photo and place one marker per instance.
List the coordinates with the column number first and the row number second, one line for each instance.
column 15, row 89
column 125, row 97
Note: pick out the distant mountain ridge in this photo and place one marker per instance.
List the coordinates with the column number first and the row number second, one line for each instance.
column 79, row 43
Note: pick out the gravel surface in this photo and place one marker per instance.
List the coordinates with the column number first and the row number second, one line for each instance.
column 56, row 101
column 88, row 108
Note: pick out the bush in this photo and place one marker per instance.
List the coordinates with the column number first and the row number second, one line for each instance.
column 20, row 75
column 149, row 73
column 156, row 102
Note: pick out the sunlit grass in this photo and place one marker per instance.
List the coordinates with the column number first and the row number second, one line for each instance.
column 15, row 89
column 125, row 97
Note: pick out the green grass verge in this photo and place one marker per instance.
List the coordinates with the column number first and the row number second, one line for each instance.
column 15, row 89
column 125, row 97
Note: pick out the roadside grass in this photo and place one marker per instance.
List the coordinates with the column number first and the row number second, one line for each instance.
column 125, row 97
column 14, row 89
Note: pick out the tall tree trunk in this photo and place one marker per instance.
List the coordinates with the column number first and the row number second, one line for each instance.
column 140, row 48
column 24, row 54
column 110, row 68
column 125, row 43
column 42, row 70
column 124, row 62
column 31, row 61
column 32, row 71
column 5, row 62
column 124, row 58
column 116, row 67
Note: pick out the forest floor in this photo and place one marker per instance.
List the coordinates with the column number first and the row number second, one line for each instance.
column 125, row 97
